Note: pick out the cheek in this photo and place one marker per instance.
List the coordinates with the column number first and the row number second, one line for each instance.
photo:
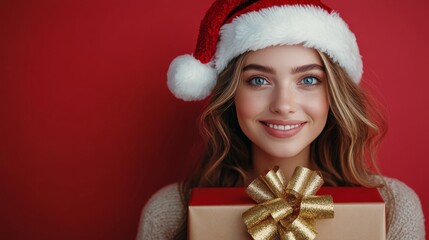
column 248, row 105
column 318, row 108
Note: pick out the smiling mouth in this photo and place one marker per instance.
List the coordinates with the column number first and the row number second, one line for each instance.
column 281, row 126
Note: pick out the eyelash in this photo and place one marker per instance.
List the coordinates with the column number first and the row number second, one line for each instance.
column 310, row 85
column 257, row 85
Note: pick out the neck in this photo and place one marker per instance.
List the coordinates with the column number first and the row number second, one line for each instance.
column 263, row 162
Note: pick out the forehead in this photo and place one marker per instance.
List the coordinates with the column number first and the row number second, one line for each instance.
column 284, row 56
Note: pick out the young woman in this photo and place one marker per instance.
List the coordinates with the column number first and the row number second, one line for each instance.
column 284, row 83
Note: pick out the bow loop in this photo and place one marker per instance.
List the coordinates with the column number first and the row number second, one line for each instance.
column 275, row 182
column 259, row 192
column 286, row 210
column 305, row 182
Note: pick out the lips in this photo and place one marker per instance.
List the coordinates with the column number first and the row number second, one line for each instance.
column 282, row 129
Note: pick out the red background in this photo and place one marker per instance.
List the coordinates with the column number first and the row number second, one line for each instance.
column 88, row 129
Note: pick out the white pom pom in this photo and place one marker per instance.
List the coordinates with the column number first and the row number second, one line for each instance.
column 189, row 79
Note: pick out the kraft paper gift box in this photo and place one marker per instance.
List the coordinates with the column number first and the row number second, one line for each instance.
column 215, row 213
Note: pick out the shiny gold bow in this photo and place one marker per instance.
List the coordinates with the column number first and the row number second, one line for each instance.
column 286, row 211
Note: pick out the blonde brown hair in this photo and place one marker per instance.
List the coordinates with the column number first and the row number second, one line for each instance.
column 344, row 152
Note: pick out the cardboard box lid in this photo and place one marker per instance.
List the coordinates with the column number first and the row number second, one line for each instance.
column 238, row 196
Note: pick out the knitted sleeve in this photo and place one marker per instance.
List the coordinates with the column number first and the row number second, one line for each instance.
column 162, row 215
column 404, row 213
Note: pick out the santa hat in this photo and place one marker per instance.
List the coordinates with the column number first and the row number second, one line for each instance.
column 233, row 27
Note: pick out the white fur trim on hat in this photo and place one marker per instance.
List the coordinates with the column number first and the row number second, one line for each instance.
column 311, row 26
column 189, row 79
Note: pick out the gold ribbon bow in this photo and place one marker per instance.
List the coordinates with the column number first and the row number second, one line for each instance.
column 286, row 211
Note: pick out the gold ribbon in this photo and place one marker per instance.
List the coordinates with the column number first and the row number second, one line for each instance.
column 286, row 210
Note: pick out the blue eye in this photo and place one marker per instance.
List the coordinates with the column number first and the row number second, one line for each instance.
column 258, row 81
column 310, row 81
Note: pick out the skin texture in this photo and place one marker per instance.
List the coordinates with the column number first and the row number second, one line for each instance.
column 284, row 86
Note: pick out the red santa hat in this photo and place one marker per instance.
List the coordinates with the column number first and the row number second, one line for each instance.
column 233, row 27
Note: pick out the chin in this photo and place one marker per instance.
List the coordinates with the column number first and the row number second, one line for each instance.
column 284, row 155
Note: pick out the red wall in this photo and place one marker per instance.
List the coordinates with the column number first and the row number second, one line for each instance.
column 88, row 129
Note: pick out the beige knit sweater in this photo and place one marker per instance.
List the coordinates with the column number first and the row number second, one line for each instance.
column 163, row 213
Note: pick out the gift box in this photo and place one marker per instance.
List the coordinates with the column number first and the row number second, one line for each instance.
column 216, row 213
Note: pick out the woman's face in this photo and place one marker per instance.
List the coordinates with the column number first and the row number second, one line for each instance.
column 281, row 101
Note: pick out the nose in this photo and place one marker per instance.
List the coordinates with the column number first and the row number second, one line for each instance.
column 283, row 100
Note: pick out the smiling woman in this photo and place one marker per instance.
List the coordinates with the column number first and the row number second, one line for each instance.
column 284, row 92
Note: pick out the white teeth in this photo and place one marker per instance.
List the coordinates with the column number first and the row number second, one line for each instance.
column 282, row 127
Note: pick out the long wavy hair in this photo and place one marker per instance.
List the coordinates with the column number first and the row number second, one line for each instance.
column 345, row 151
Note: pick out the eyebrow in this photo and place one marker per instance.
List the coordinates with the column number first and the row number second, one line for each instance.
column 258, row 67
column 308, row 67
column 299, row 69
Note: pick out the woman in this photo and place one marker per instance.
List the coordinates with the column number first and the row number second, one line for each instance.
column 284, row 82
